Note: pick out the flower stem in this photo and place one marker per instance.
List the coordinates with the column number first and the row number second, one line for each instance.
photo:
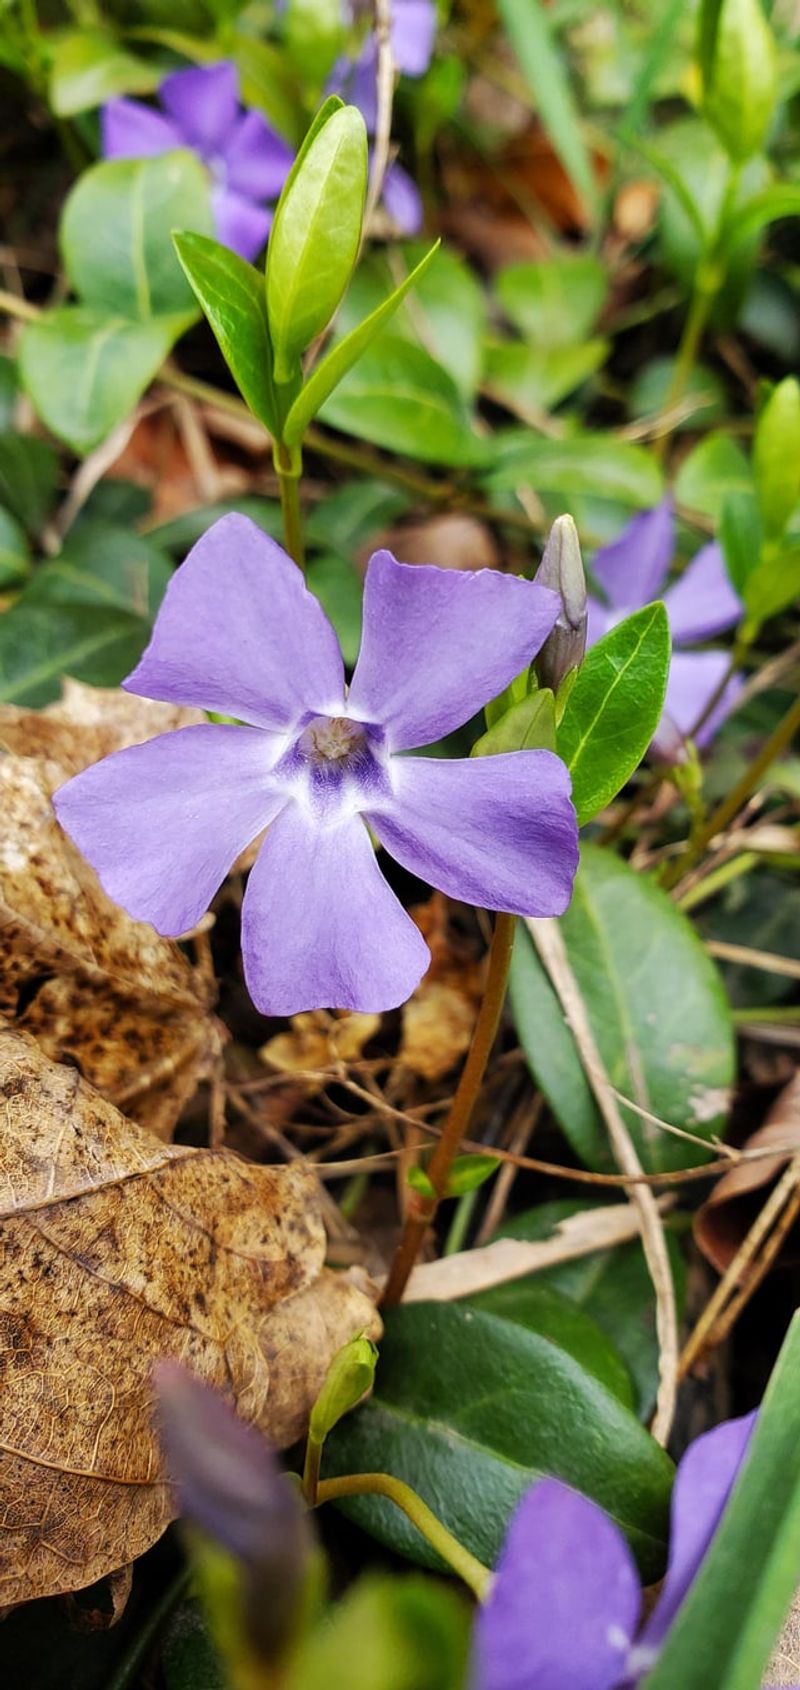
column 311, row 1470
column 438, row 1169
column 289, row 483
column 693, row 331
column 468, row 1567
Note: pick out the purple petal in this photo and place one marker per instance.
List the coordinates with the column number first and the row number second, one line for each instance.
column 702, row 603
column 239, row 223
column 599, row 620
column 631, row 570
column 437, row 643
column 161, row 823
column 321, row 928
column 204, row 102
column 703, row 1483
column 239, row 633
column 257, row 161
column 402, row 201
column 413, row 35
column 564, row 1605
column 357, row 82
column 694, row 677
column 499, row 831
column 129, row 129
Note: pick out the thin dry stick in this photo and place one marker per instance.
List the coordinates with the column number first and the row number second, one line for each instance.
column 701, row 1338
column 549, row 943
column 383, row 121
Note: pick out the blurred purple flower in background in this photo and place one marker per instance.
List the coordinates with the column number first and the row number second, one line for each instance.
column 413, row 33
column 240, row 634
column 700, row 605
column 564, row 1610
column 247, row 160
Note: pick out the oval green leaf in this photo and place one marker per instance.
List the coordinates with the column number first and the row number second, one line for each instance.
column 398, row 397
column 84, row 371
column 614, row 708
column 116, row 227
column 231, row 294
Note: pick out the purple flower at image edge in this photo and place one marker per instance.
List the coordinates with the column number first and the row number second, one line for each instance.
column 564, row 1610
column 413, row 33
column 247, row 160
column 700, row 605
column 240, row 634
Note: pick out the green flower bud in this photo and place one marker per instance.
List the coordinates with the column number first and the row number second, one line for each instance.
column 561, row 569
column 739, row 67
column 349, row 1376
column 316, row 234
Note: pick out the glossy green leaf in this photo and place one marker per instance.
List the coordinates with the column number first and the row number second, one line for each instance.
column 316, row 235
column 336, row 583
column 28, row 479
column 532, row 379
column 41, row 643
column 470, row 1409
column 398, row 397
column 351, row 515
column 612, row 1286
column 592, row 464
column 728, row 1622
column 231, row 294
column 776, row 455
column 15, row 559
column 657, row 1010
column 385, row 1634
column 327, row 375
column 84, row 371
column 543, row 66
column 614, row 708
column 739, row 64
column 102, row 563
column 741, row 537
column 711, row 473
column 446, row 315
column 775, row 583
column 555, row 303
column 540, row 1308
column 90, row 65
column 529, row 725
column 116, row 227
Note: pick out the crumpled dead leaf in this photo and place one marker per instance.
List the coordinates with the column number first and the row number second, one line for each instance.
column 722, row 1222
column 439, row 1017
column 116, row 1249
column 109, row 993
column 784, row 1665
column 319, row 1041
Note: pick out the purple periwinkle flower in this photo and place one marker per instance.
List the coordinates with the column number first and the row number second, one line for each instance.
column 240, row 634
column 247, row 160
column 564, row 1610
column 413, row 33
column 700, row 605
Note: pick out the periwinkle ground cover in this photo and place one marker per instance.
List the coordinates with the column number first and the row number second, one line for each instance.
column 460, row 574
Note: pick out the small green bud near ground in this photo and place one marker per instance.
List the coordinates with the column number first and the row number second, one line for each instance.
column 561, row 569
column 739, row 68
column 350, row 1374
column 776, row 456
column 316, row 234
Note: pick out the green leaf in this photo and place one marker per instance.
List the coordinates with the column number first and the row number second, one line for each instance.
column 657, row 1010
column 649, row 390
column 316, row 235
column 776, row 455
column 539, row 1308
column 468, row 1173
column 739, row 63
column 447, row 314
column 398, row 397
column 770, row 206
column 104, row 564
column 385, row 1634
column 335, row 582
column 84, row 371
column 189, row 1659
column 182, row 532
column 15, row 559
column 707, row 477
column 89, row 66
column 265, row 81
column 726, row 1626
column 591, row 464
column 555, row 303
column 529, row 725
column 532, row 379
column 741, row 537
column 614, row 708
column 470, row 1410
column 542, row 65
column 325, row 377
column 41, row 643
column 8, row 391
column 28, row 479
column 775, row 583
column 231, row 294
column 613, row 1286
column 116, row 227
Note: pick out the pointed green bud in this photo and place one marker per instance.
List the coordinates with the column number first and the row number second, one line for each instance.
column 739, row 69
column 348, row 1378
column 561, row 569
column 776, row 456
column 316, row 234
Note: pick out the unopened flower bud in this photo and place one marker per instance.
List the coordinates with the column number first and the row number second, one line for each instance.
column 349, row 1376
column 561, row 569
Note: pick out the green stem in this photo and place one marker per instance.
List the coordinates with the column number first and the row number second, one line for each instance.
column 691, row 339
column 468, row 1567
column 423, row 1213
column 289, row 483
column 725, row 812
column 311, row 1469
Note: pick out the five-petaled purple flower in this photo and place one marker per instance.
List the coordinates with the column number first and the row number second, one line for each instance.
column 413, row 33
column 240, row 634
column 247, row 160
column 564, row 1610
column 700, row 605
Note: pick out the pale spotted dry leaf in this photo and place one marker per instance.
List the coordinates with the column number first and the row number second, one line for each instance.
column 784, row 1666
column 109, row 993
column 116, row 1249
column 86, row 723
column 318, row 1041
column 439, row 1017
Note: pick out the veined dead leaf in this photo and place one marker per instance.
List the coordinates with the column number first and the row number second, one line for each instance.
column 726, row 1216
column 116, row 1249
column 439, row 1017
column 109, row 993
column 318, row 1040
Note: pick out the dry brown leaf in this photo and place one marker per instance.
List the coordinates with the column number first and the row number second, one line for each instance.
column 114, row 1250
column 455, row 539
column 439, row 1017
column 784, row 1666
column 92, row 984
column 319, row 1041
column 726, row 1216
